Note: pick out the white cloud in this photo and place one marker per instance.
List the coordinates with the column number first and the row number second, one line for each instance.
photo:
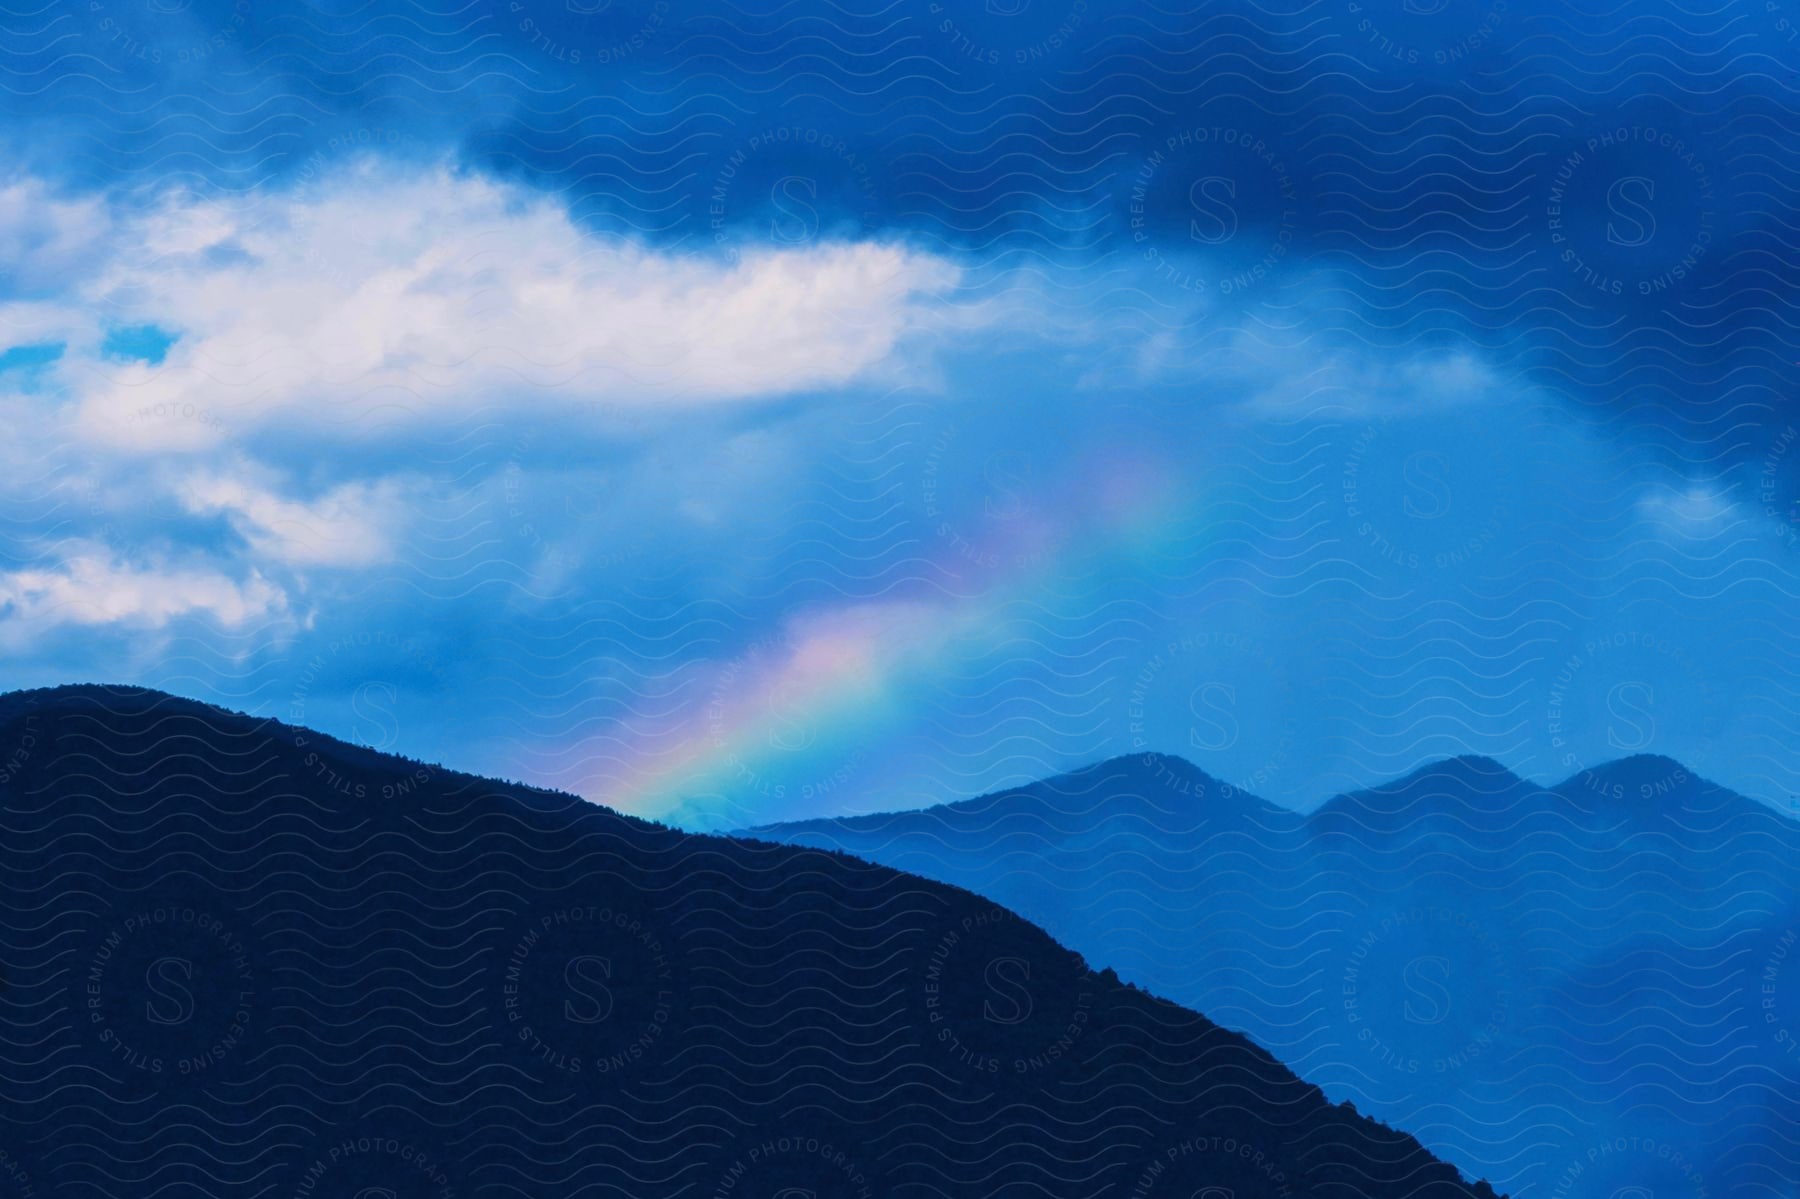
column 377, row 299
column 45, row 237
column 94, row 588
column 348, row 526
column 1692, row 512
column 1298, row 368
column 32, row 322
column 1359, row 381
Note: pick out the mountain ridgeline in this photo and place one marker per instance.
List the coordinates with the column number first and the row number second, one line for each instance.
column 1576, row 990
column 244, row 959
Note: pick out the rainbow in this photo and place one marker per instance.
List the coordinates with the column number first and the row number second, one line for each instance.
column 834, row 680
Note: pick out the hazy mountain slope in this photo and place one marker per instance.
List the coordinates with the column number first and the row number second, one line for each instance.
column 1520, row 976
column 244, row 959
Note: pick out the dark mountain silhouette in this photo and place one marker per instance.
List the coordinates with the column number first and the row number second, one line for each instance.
column 1528, row 978
column 241, row 958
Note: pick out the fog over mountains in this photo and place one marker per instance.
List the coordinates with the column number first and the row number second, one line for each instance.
column 243, row 958
column 1567, row 990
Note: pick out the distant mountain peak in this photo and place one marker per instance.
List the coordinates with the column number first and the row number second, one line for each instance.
column 1165, row 772
column 1169, row 785
column 1150, row 765
column 1468, row 781
column 1642, row 777
column 1475, row 769
column 1480, row 762
column 1150, row 758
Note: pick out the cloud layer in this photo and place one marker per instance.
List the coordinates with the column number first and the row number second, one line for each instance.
column 375, row 299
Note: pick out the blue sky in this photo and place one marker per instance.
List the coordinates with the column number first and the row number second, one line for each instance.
column 746, row 413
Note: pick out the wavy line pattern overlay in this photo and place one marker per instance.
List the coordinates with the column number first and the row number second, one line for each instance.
column 806, row 415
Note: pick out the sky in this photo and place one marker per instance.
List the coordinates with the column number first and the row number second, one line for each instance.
column 745, row 412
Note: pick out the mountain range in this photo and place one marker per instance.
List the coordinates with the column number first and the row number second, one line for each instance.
column 243, row 958
column 1570, row 990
